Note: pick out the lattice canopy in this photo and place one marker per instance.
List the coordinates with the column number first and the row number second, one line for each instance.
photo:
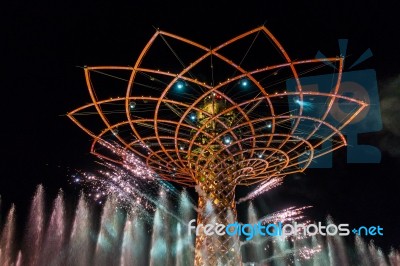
column 196, row 114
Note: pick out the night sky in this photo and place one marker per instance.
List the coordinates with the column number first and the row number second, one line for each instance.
column 42, row 45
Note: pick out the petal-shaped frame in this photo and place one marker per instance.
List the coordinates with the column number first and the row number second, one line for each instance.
column 253, row 155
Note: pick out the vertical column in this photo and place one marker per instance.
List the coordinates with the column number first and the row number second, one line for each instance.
column 217, row 206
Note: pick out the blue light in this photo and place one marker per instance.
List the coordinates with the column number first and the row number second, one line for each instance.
column 193, row 117
column 268, row 124
column 179, row 85
column 244, row 82
column 306, row 105
column 132, row 105
column 227, row 139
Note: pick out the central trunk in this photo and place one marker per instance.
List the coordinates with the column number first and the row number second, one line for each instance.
column 216, row 206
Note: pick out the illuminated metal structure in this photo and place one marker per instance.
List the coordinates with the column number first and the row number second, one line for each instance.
column 240, row 130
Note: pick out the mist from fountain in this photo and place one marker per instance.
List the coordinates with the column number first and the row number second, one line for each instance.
column 117, row 237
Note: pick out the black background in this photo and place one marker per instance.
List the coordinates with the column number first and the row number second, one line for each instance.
column 41, row 45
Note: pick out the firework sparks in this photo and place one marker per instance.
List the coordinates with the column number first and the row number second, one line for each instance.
column 130, row 161
column 134, row 186
column 308, row 252
column 262, row 188
column 290, row 214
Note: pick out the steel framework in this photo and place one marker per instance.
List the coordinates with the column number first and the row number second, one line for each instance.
column 218, row 135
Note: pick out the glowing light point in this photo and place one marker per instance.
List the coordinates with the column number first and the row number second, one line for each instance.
column 180, row 85
column 299, row 102
column 227, row 139
column 244, row 83
column 303, row 103
column 193, row 117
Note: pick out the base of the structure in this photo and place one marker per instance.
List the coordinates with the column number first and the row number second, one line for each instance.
column 216, row 249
